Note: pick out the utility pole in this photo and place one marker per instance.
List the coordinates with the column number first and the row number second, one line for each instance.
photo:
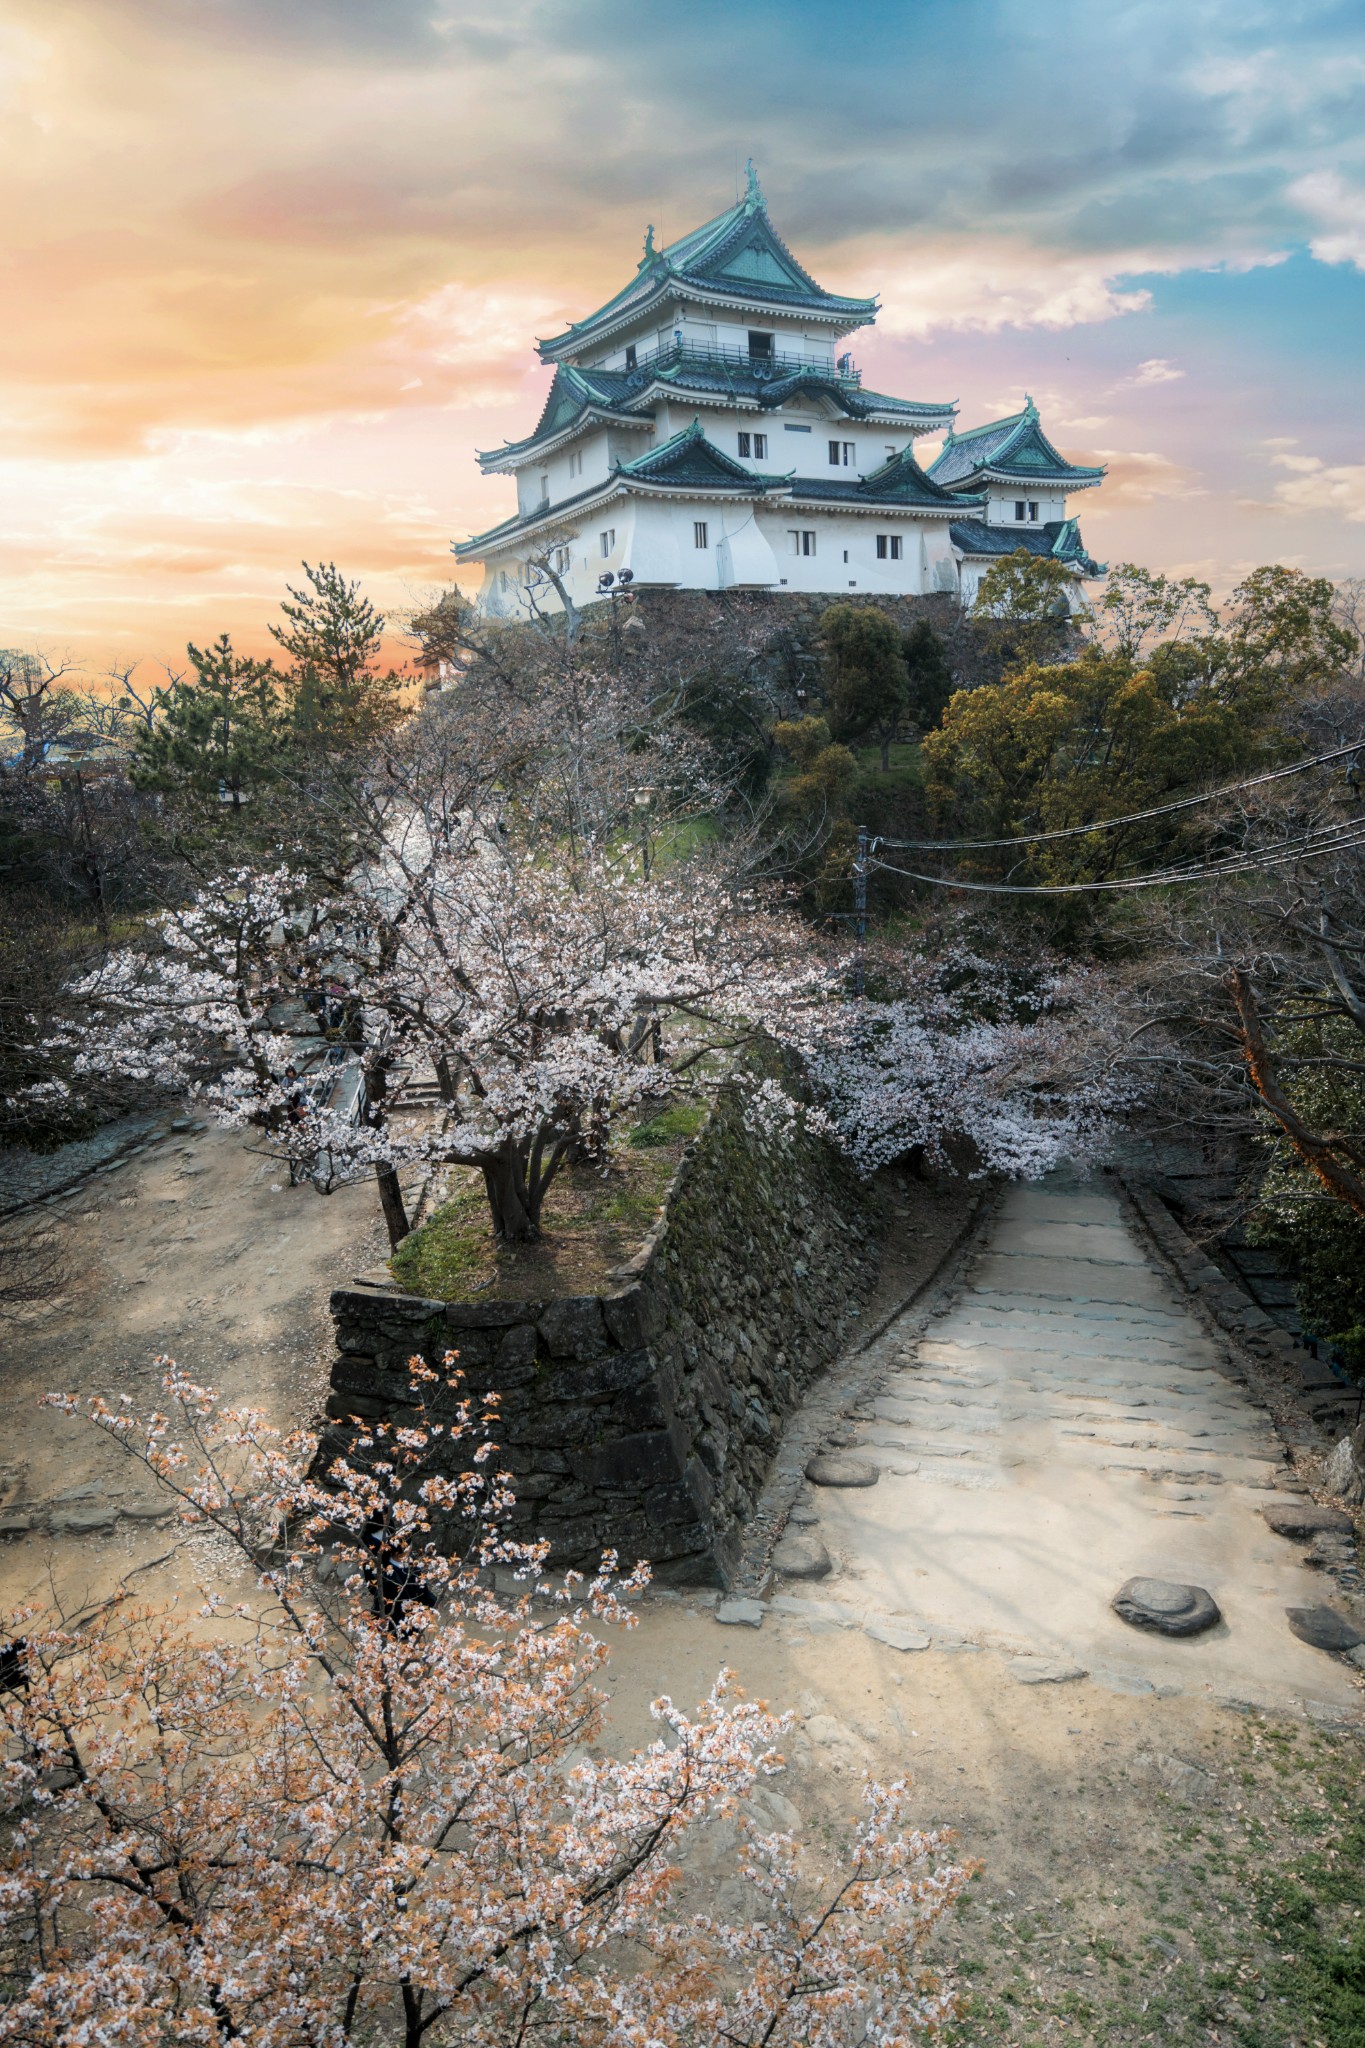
column 860, row 906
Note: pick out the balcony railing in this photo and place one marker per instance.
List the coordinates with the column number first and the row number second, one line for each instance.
column 781, row 363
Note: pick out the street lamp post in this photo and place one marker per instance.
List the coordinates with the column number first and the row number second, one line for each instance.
column 614, row 586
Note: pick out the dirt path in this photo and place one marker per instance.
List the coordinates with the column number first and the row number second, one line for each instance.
column 1158, row 1863
column 198, row 1248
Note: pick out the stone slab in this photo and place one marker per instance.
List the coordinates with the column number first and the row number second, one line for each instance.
column 739, row 1613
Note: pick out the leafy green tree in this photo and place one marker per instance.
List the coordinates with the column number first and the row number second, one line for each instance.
column 929, row 677
column 221, row 734
column 1059, row 745
column 1139, row 606
column 1283, row 639
column 1026, row 600
column 338, row 697
column 867, row 678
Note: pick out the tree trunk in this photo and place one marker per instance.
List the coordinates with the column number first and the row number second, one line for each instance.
column 505, row 1184
column 886, row 753
column 1313, row 1149
column 391, row 1201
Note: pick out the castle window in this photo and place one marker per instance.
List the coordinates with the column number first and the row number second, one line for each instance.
column 890, row 451
column 760, row 447
column 888, row 547
column 630, row 355
column 576, row 463
column 800, row 541
column 1019, row 508
column 1033, row 508
column 699, row 533
column 841, row 454
column 760, row 347
column 545, row 488
column 607, row 539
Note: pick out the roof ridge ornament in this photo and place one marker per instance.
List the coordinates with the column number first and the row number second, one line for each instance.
column 753, row 198
column 1030, row 409
column 650, row 251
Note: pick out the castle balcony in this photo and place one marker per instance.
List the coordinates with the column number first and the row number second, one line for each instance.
column 686, row 355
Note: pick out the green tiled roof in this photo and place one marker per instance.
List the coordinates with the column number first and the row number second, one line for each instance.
column 900, row 482
column 572, row 393
column 689, row 459
column 1015, row 450
column 1060, row 538
column 739, row 253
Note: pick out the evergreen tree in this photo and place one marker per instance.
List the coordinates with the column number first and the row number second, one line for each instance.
column 338, row 698
column 868, row 681
column 220, row 736
column 931, row 679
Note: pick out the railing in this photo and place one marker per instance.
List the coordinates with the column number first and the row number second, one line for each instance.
column 782, row 362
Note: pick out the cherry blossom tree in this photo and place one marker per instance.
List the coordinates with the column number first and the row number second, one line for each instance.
column 373, row 1804
column 547, row 1000
column 1019, row 1064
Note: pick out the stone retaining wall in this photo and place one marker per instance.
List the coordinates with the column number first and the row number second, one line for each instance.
column 644, row 1419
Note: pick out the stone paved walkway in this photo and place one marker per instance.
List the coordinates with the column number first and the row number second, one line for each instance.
column 1062, row 1426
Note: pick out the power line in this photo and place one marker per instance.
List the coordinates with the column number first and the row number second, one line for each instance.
column 1185, row 803
column 1340, row 839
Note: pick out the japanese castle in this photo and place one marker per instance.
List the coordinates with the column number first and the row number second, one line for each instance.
column 705, row 430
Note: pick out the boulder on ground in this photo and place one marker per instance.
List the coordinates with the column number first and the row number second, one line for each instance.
column 1323, row 1628
column 835, row 1468
column 1165, row 1607
column 801, row 1555
column 1304, row 1518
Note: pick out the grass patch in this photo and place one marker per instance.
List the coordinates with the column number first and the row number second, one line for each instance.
column 1244, row 1929
column 591, row 1223
column 904, row 768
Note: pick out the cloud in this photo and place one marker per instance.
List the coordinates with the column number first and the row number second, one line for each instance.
column 1339, row 210
column 1156, row 370
column 1138, row 478
column 986, row 287
column 1318, row 486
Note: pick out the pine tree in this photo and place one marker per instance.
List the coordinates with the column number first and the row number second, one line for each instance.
column 220, row 735
column 338, row 698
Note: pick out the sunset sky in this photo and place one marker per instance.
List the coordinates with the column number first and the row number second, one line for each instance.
column 272, row 269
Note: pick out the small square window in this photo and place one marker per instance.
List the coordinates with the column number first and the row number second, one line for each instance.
column 760, row 447
column 699, row 533
column 834, row 454
column 888, row 547
column 1033, row 508
column 746, row 444
column 760, row 347
column 607, row 540
column 1020, row 509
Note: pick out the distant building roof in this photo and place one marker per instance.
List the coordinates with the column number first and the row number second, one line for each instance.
column 738, row 255
column 1015, row 450
column 1059, row 538
column 899, row 485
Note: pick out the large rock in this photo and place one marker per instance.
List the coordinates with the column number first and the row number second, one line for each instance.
column 738, row 1612
column 1345, row 1473
column 1304, row 1518
column 836, row 1468
column 1323, row 1628
column 801, row 1555
column 1165, row 1607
